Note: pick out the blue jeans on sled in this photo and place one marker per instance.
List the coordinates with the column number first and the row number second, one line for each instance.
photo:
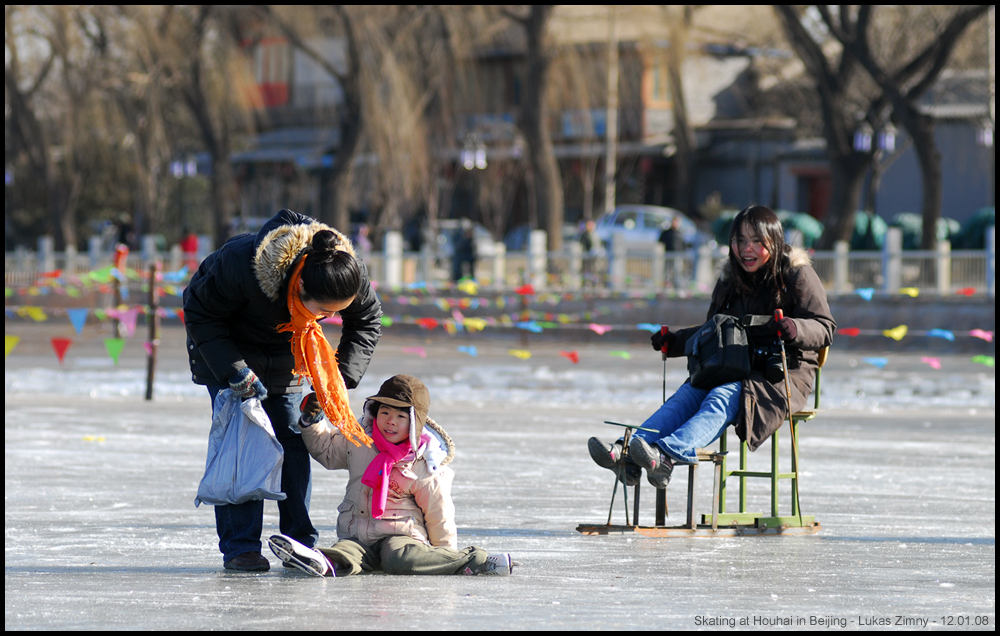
column 239, row 526
column 691, row 419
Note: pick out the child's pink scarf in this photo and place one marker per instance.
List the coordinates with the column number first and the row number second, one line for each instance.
column 376, row 475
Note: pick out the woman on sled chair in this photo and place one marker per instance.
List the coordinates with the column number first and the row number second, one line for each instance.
column 762, row 274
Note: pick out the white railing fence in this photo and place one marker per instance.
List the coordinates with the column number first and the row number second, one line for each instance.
column 890, row 271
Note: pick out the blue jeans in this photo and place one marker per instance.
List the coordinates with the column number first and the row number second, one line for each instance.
column 240, row 526
column 691, row 419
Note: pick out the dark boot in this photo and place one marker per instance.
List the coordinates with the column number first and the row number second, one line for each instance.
column 248, row 562
column 658, row 466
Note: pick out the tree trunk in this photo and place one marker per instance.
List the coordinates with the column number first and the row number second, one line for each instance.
column 921, row 129
column 847, row 176
column 534, row 125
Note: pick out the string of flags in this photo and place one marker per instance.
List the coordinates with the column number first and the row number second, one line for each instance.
column 533, row 318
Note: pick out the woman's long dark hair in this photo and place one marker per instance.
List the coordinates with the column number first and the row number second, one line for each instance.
column 767, row 226
column 330, row 274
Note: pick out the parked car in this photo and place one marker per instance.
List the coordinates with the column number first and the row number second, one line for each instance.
column 641, row 225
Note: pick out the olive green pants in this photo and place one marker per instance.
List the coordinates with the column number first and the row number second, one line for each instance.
column 402, row 555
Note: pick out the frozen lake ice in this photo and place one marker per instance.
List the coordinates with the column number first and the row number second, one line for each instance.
column 102, row 533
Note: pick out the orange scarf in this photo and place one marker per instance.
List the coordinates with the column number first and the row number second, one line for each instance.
column 316, row 360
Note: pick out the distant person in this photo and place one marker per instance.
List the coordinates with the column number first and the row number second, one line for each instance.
column 463, row 260
column 761, row 275
column 251, row 313
column 592, row 247
column 362, row 241
column 124, row 231
column 189, row 248
column 674, row 245
column 671, row 237
column 397, row 515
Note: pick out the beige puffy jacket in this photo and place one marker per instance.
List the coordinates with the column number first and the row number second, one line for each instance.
column 419, row 502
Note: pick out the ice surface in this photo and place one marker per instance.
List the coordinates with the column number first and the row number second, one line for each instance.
column 900, row 470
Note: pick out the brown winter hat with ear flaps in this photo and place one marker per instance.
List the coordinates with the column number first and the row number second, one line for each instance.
column 405, row 391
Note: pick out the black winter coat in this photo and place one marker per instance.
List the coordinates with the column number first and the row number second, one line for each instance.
column 238, row 297
column 763, row 407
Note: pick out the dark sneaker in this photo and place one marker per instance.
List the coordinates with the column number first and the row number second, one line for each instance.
column 297, row 555
column 609, row 456
column 248, row 562
column 658, row 466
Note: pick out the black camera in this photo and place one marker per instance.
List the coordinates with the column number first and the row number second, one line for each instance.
column 767, row 358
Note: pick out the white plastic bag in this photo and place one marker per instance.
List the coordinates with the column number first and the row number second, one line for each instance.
column 244, row 457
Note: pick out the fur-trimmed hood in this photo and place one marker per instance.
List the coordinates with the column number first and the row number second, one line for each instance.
column 278, row 248
column 795, row 258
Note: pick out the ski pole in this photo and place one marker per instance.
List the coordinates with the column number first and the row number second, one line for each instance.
column 663, row 351
column 778, row 315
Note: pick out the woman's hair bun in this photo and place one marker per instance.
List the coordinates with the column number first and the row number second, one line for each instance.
column 324, row 241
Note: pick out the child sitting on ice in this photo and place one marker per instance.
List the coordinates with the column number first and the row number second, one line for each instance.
column 397, row 514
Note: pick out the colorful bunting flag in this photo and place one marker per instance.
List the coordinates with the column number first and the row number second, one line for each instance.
column 912, row 292
column 941, row 333
column 621, row 354
column 60, row 345
column 521, row 354
column 114, row 347
column 989, row 361
column 982, row 335
column 525, row 290
column 572, row 356
column 471, row 350
column 9, row 342
column 934, row 363
column 420, row 351
column 599, row 329
column 877, row 362
column 849, row 331
column 896, row 333
column 866, row 292
column 966, row 291
column 78, row 318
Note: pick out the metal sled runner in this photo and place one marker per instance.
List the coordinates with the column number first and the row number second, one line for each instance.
column 720, row 523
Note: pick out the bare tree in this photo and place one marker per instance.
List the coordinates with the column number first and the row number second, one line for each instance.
column 843, row 105
column 533, row 122
column 51, row 137
column 905, row 79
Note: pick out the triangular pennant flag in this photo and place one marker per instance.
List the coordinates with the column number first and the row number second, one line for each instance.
column 573, row 356
column 934, row 363
column 420, row 351
column 982, row 335
column 621, row 354
column 128, row 319
column 9, row 342
column 877, row 362
column 114, row 347
column 521, row 354
column 912, row 292
column 849, row 331
column 148, row 346
column 599, row 329
column 471, row 350
column 941, row 333
column 78, row 317
column 60, row 345
column 896, row 333
column 525, row 290
column 989, row 361
column 866, row 292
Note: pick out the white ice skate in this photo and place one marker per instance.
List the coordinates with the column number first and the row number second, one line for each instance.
column 293, row 553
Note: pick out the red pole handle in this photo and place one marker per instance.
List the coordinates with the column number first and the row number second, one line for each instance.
column 663, row 331
column 778, row 315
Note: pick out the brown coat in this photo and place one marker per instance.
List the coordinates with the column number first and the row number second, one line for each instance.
column 764, row 404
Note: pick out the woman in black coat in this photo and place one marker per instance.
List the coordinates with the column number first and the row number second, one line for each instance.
column 762, row 274
column 232, row 309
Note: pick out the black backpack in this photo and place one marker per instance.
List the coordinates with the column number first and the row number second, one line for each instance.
column 719, row 352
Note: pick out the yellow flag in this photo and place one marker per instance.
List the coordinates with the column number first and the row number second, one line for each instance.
column 520, row 353
column 474, row 324
column 469, row 287
column 912, row 292
column 9, row 342
column 896, row 333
